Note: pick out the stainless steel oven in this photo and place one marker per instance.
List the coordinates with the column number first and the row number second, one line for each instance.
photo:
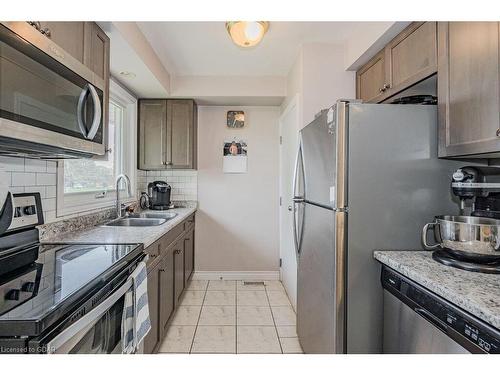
column 98, row 332
column 51, row 105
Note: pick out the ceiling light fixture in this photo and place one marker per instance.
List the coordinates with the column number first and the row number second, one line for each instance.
column 127, row 74
column 247, row 33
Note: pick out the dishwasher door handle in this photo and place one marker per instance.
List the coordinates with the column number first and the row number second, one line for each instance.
column 431, row 319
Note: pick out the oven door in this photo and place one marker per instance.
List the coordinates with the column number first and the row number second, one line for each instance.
column 99, row 331
column 45, row 107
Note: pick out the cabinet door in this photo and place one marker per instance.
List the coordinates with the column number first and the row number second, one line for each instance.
column 152, row 134
column 468, row 89
column 412, row 56
column 153, row 337
column 179, row 269
column 180, row 134
column 98, row 51
column 188, row 255
column 166, row 290
column 68, row 35
column 370, row 79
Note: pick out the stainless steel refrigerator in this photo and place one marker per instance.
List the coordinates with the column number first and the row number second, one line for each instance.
column 367, row 177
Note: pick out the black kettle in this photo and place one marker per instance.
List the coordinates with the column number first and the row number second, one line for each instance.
column 157, row 197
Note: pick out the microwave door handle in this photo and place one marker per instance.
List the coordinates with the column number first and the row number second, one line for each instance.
column 79, row 110
column 97, row 113
column 75, row 332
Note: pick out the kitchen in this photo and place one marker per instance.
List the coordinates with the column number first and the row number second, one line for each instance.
column 237, row 187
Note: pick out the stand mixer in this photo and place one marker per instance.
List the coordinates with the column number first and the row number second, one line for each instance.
column 480, row 185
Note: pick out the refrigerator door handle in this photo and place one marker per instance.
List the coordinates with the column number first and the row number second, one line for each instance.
column 297, row 234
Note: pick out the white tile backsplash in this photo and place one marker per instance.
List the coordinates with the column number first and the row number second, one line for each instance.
column 33, row 176
column 184, row 183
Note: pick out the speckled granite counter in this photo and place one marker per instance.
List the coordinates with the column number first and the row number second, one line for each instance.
column 476, row 293
column 118, row 235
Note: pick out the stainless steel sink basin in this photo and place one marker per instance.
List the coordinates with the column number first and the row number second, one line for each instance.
column 135, row 222
column 154, row 215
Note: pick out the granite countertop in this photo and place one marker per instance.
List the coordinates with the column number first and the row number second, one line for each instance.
column 121, row 235
column 476, row 293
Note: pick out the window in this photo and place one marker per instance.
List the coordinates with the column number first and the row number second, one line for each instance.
column 88, row 184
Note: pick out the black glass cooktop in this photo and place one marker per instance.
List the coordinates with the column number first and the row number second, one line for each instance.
column 34, row 297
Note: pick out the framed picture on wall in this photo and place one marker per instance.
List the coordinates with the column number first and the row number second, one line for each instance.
column 235, row 119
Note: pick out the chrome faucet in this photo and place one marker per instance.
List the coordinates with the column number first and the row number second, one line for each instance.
column 129, row 190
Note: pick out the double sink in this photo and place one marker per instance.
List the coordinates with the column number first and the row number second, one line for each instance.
column 146, row 219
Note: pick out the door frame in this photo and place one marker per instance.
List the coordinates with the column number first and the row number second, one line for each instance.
column 294, row 104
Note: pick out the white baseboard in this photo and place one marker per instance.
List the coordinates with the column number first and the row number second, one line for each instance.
column 236, row 275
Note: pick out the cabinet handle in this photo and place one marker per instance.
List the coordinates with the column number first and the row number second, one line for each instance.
column 46, row 32
column 153, row 255
column 177, row 252
column 498, row 132
column 35, row 24
column 162, row 269
column 384, row 88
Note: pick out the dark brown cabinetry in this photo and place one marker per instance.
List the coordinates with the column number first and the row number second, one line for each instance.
column 166, row 290
column 167, row 134
column 178, row 270
column 167, row 278
column 70, row 36
column 188, row 254
column 409, row 58
column 469, row 89
column 153, row 337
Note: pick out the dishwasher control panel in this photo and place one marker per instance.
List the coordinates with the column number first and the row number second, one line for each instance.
column 473, row 334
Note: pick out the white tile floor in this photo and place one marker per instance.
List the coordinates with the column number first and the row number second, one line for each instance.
column 231, row 317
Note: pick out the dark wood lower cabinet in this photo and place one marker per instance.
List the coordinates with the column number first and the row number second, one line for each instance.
column 166, row 290
column 188, row 254
column 153, row 337
column 170, row 265
column 178, row 269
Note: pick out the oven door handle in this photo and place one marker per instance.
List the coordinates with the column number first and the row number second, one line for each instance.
column 75, row 332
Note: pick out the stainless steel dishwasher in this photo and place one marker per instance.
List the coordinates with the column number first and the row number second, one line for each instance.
column 418, row 321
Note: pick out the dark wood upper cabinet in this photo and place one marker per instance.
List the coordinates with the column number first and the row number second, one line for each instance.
column 152, row 134
column 167, row 134
column 68, row 35
column 469, row 89
column 370, row 79
column 409, row 58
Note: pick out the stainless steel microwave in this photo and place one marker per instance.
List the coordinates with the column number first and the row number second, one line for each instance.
column 51, row 105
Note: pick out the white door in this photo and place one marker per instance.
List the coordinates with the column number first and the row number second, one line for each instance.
column 289, row 142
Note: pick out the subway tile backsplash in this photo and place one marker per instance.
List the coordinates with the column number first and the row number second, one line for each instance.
column 33, row 176
column 184, row 183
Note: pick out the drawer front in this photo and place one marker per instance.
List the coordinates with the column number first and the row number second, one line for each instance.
column 188, row 222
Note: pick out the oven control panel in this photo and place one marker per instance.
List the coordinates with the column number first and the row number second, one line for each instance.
column 27, row 211
column 473, row 334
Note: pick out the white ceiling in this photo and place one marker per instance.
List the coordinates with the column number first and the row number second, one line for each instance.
column 205, row 49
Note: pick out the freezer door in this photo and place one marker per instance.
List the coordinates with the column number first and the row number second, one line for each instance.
column 318, row 300
column 318, row 152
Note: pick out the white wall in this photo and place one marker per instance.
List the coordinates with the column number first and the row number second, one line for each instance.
column 324, row 79
column 319, row 77
column 33, row 176
column 237, row 226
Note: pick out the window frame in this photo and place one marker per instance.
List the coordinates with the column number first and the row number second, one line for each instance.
column 79, row 203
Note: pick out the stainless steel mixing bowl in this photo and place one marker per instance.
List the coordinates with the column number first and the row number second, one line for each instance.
column 466, row 235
